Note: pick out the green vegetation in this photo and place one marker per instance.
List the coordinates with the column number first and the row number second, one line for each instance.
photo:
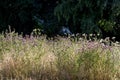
column 81, row 16
column 90, row 16
column 20, row 15
column 42, row 55
column 36, row 58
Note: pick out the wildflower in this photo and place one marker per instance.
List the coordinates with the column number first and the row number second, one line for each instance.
column 98, row 34
column 91, row 35
column 113, row 38
column 84, row 34
column 101, row 40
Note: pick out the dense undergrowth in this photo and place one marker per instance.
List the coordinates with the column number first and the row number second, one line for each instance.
column 36, row 58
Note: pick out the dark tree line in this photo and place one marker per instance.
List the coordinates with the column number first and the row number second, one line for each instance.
column 81, row 16
column 91, row 16
column 19, row 14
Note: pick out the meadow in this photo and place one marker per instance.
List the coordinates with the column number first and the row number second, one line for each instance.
column 38, row 58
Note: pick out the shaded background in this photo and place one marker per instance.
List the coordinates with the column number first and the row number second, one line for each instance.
column 81, row 16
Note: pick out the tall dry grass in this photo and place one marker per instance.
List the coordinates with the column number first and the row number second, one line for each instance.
column 36, row 58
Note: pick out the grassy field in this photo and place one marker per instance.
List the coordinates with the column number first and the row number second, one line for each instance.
column 36, row 58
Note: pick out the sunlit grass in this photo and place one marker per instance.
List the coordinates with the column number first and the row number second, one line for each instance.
column 36, row 58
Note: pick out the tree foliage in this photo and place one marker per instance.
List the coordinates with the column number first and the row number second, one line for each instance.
column 16, row 13
column 20, row 14
column 82, row 16
column 89, row 16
